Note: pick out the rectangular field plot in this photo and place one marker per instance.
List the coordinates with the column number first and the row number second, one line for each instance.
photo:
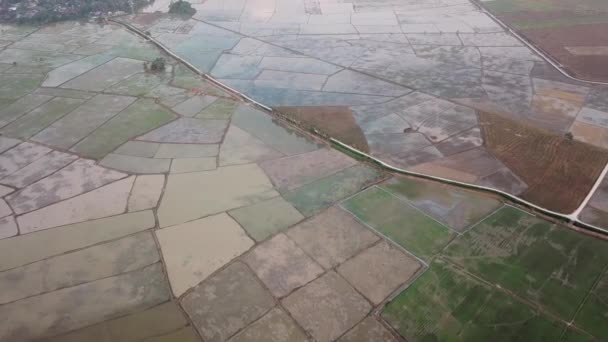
column 447, row 305
column 457, row 209
column 594, row 313
column 540, row 261
column 400, row 222
column 322, row 193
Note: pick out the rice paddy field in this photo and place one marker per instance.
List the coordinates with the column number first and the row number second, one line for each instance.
column 493, row 271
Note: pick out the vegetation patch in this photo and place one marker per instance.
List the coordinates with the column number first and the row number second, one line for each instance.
column 592, row 316
column 13, row 86
column 47, row 11
column 447, row 305
column 187, row 79
column 181, row 7
column 456, row 208
column 158, row 65
column 510, row 277
column 400, row 222
column 540, row 261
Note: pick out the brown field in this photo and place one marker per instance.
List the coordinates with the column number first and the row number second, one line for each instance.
column 573, row 32
column 559, row 171
column 336, row 121
column 581, row 49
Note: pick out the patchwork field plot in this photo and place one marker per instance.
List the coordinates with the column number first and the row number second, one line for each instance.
column 197, row 215
column 542, row 262
column 455, row 208
column 596, row 211
column 444, row 304
column 509, row 276
column 400, row 222
column 559, row 163
column 404, row 82
column 594, row 311
column 571, row 31
column 320, row 194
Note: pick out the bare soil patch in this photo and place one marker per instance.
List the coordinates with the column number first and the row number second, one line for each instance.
column 555, row 41
column 336, row 121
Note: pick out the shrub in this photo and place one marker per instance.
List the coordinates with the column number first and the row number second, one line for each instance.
column 158, row 64
column 181, row 7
